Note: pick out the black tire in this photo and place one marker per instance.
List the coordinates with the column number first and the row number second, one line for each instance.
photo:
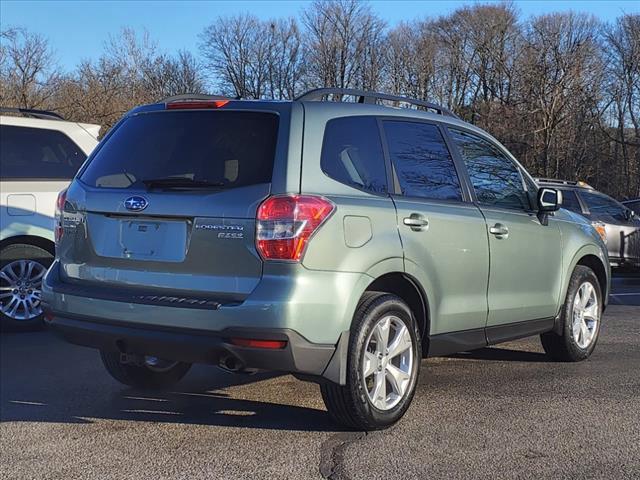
column 13, row 253
column 349, row 405
column 564, row 348
column 141, row 376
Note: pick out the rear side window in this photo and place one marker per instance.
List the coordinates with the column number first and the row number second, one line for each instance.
column 601, row 205
column 37, row 153
column 496, row 180
column 352, row 153
column 422, row 161
column 229, row 149
column 570, row 201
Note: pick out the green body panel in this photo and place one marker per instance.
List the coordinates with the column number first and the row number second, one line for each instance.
column 525, row 279
column 579, row 240
column 360, row 234
column 318, row 305
column 450, row 259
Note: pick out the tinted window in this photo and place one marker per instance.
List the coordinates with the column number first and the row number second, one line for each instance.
column 422, row 161
column 496, row 179
column 601, row 205
column 570, row 201
column 38, row 153
column 352, row 153
column 233, row 149
column 634, row 205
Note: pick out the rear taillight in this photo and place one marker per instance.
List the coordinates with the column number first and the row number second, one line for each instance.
column 59, row 230
column 286, row 223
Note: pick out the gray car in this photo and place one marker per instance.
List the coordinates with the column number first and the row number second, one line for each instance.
column 339, row 241
column 618, row 224
column 633, row 204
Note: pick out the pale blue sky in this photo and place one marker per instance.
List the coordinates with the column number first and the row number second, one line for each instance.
column 78, row 29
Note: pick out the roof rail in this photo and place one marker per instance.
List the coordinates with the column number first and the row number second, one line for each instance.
column 195, row 97
column 29, row 112
column 319, row 94
column 572, row 183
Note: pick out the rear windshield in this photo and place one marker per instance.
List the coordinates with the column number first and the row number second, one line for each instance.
column 228, row 149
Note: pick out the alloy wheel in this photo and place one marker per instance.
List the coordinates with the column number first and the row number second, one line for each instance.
column 20, row 289
column 387, row 364
column 586, row 315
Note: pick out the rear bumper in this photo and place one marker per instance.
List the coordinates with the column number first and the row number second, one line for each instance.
column 310, row 310
column 297, row 356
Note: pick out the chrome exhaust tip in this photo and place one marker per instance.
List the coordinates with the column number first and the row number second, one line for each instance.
column 231, row 364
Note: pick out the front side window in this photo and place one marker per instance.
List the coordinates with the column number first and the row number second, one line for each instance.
column 422, row 161
column 38, row 153
column 570, row 201
column 496, row 180
column 352, row 153
column 601, row 205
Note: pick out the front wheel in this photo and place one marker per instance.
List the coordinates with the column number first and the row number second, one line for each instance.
column 382, row 366
column 580, row 317
column 148, row 373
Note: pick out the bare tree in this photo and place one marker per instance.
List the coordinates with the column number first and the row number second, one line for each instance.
column 344, row 44
column 236, row 49
column 285, row 63
column 621, row 119
column 165, row 75
column 561, row 69
column 28, row 73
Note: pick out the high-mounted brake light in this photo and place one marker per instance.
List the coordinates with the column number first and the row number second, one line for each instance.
column 286, row 223
column 201, row 104
column 59, row 230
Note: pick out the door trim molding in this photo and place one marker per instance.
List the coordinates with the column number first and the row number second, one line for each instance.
column 466, row 340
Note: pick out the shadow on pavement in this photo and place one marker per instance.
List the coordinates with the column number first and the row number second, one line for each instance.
column 43, row 379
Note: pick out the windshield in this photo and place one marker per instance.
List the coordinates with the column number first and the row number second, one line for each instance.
column 601, row 205
column 222, row 149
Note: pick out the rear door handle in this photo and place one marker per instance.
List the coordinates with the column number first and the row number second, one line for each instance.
column 416, row 222
column 499, row 230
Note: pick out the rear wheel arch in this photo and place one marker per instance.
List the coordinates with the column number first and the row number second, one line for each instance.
column 409, row 290
column 39, row 242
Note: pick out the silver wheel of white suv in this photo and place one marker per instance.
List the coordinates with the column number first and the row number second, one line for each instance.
column 20, row 284
column 22, row 270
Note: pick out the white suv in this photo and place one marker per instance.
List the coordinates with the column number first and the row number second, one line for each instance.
column 39, row 154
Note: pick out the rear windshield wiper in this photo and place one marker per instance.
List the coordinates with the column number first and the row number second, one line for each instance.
column 181, row 183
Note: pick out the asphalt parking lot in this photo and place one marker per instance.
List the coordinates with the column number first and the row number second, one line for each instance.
column 502, row 412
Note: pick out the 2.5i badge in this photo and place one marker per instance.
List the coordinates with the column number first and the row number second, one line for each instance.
column 223, row 231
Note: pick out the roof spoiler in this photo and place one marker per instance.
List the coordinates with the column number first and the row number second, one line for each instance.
column 30, row 112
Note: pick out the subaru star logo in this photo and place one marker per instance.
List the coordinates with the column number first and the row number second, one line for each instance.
column 136, row 204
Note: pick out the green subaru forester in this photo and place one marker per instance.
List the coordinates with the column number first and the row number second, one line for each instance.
column 341, row 237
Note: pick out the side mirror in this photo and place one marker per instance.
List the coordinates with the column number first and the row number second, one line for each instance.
column 549, row 199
